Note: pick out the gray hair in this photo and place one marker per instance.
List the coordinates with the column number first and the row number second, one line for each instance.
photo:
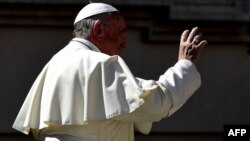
column 83, row 28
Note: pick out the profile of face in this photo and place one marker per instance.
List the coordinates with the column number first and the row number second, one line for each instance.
column 113, row 40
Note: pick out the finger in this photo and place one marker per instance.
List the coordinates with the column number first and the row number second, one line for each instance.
column 202, row 44
column 184, row 35
column 197, row 39
column 192, row 34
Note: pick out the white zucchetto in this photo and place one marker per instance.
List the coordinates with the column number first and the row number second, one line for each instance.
column 94, row 9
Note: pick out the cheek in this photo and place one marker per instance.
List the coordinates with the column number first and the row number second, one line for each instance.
column 118, row 39
column 114, row 41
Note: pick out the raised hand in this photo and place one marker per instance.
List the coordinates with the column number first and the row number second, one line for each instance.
column 191, row 45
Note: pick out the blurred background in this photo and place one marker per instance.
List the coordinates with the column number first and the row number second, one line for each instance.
column 32, row 31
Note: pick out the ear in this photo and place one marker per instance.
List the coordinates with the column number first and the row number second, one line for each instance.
column 98, row 30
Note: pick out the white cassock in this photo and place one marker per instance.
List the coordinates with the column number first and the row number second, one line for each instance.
column 85, row 95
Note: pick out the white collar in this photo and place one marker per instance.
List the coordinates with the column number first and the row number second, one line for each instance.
column 87, row 43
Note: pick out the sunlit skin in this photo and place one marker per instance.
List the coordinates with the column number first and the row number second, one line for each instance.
column 188, row 48
column 109, row 37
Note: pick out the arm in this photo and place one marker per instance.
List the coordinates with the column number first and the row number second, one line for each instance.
column 175, row 86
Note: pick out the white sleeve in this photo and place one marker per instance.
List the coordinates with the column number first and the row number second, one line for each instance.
column 175, row 86
column 157, row 103
column 182, row 80
column 155, row 107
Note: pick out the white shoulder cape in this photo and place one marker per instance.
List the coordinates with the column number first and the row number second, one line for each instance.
column 79, row 85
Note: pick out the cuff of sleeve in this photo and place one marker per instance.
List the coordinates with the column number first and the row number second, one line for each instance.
column 182, row 80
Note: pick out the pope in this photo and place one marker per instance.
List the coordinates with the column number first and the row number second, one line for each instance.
column 86, row 92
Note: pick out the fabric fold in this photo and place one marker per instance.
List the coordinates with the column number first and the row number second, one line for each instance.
column 66, row 94
column 182, row 80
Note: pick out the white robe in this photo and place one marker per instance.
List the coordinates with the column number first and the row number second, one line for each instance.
column 84, row 93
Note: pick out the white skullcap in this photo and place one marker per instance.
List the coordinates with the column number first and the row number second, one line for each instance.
column 94, row 9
